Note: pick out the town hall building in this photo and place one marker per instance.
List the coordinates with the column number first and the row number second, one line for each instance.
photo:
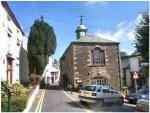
column 91, row 60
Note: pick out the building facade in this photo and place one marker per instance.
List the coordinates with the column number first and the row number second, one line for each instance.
column 131, row 64
column 10, row 44
column 91, row 60
column 51, row 73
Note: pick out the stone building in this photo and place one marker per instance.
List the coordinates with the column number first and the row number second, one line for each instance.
column 91, row 60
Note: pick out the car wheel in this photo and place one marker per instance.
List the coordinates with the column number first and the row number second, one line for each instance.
column 100, row 103
column 134, row 101
column 130, row 101
column 121, row 101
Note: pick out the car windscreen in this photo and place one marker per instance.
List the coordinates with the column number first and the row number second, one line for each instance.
column 140, row 91
column 143, row 91
column 90, row 88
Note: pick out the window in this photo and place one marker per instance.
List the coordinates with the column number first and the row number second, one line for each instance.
column 90, row 88
column 99, row 89
column 98, row 57
column 106, row 91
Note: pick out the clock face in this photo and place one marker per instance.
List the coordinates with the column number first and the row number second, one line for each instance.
column 82, row 33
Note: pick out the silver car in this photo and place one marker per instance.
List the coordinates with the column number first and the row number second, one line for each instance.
column 143, row 104
column 100, row 94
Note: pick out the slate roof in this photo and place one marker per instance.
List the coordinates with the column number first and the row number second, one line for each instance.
column 93, row 39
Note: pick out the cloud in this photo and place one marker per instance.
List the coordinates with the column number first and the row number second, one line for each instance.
column 131, row 35
column 129, row 52
column 138, row 19
column 91, row 3
column 109, row 35
column 125, row 30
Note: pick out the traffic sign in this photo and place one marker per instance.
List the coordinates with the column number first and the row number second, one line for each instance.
column 135, row 76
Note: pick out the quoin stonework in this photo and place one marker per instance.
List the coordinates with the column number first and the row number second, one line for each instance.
column 91, row 60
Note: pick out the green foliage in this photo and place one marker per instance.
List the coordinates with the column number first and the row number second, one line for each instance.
column 4, row 88
column 123, row 53
column 38, row 77
column 142, row 36
column 18, row 103
column 64, row 81
column 41, row 44
column 19, row 89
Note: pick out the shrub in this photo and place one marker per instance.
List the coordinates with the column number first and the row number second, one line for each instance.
column 18, row 103
column 38, row 77
column 19, row 89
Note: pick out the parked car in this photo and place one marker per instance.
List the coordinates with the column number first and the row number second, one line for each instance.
column 133, row 97
column 143, row 104
column 100, row 94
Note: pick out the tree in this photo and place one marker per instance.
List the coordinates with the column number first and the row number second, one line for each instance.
column 41, row 44
column 122, row 53
column 142, row 44
column 142, row 36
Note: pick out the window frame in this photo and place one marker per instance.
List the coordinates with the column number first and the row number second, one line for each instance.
column 95, row 53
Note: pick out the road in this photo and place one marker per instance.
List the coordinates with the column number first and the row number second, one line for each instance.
column 56, row 101
column 111, row 108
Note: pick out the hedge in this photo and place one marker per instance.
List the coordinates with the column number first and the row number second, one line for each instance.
column 18, row 103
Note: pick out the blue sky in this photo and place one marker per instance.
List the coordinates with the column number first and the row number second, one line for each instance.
column 111, row 20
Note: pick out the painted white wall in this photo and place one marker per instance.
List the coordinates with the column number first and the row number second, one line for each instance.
column 48, row 70
column 134, row 63
column 9, row 44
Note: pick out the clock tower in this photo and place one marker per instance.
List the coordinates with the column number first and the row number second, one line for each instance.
column 81, row 30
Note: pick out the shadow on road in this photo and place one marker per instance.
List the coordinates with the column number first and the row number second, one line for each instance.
column 73, row 104
column 52, row 87
column 111, row 107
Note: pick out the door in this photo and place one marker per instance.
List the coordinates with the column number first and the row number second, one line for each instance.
column 106, row 95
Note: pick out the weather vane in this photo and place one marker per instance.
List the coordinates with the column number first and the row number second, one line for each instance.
column 81, row 16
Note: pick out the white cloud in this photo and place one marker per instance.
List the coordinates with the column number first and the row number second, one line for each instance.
column 121, row 24
column 109, row 35
column 139, row 17
column 125, row 30
column 131, row 35
column 129, row 52
column 124, row 34
column 90, row 3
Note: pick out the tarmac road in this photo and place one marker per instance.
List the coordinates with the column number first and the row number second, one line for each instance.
column 56, row 101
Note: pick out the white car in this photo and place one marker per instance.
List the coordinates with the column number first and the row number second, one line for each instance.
column 101, row 94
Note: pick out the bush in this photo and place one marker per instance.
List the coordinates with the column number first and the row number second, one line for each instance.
column 38, row 78
column 18, row 103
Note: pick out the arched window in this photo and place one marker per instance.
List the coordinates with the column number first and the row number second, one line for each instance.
column 98, row 57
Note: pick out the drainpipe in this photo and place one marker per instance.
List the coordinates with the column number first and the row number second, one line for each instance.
column 120, row 68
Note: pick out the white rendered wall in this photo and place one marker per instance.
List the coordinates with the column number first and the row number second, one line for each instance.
column 134, row 64
column 9, row 44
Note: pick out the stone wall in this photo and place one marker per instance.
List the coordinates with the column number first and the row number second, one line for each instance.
column 77, row 64
column 84, row 70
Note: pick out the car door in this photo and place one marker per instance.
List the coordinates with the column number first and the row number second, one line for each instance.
column 106, row 95
column 114, row 96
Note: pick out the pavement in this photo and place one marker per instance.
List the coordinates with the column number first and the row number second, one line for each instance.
column 36, row 101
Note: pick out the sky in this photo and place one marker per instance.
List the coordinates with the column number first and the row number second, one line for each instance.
column 112, row 20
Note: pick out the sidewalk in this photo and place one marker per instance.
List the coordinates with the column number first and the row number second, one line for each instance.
column 36, row 101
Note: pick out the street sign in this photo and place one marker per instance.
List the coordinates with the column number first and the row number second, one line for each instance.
column 135, row 76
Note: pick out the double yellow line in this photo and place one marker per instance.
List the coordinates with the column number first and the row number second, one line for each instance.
column 39, row 106
column 82, row 106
